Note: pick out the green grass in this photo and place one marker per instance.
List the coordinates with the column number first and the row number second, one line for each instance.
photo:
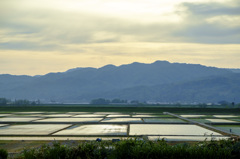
column 123, row 109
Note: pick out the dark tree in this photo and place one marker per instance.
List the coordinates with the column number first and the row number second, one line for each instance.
column 22, row 102
column 119, row 101
column 3, row 101
column 100, row 101
column 223, row 103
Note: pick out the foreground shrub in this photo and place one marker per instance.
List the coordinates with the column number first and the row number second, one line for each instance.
column 3, row 154
column 131, row 149
column 236, row 150
column 55, row 151
column 86, row 150
column 136, row 149
column 89, row 150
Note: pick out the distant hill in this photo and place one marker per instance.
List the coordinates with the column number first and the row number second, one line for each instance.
column 160, row 81
column 207, row 90
column 235, row 70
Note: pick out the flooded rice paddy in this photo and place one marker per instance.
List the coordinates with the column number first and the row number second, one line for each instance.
column 98, row 129
column 215, row 120
column 31, row 129
column 86, row 125
column 18, row 119
column 118, row 116
column 89, row 116
column 29, row 112
column 70, row 120
column 3, row 125
column 225, row 116
column 220, row 120
column 230, row 128
column 57, row 115
column 164, row 120
column 144, row 115
column 122, row 120
column 192, row 116
column 3, row 115
column 169, row 129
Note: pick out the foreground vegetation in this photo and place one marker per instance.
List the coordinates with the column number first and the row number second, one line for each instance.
column 134, row 149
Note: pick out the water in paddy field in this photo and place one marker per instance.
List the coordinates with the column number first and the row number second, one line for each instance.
column 18, row 119
column 31, row 129
column 230, row 128
column 192, row 116
column 164, row 120
column 169, row 129
column 105, row 124
column 59, row 120
column 122, row 120
column 98, row 129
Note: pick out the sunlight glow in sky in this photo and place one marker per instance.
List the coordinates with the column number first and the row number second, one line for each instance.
column 41, row 36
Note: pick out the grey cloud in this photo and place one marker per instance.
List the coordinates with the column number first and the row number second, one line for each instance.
column 28, row 46
column 212, row 9
column 198, row 29
column 55, row 27
column 52, row 29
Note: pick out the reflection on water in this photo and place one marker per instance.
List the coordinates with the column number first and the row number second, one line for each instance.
column 70, row 120
column 164, row 120
column 230, row 128
column 169, row 129
column 96, row 129
column 122, row 120
column 220, row 121
column 31, row 129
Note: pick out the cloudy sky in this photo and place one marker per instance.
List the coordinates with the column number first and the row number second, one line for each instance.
column 41, row 36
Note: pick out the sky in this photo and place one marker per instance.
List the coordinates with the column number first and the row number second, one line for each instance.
column 42, row 36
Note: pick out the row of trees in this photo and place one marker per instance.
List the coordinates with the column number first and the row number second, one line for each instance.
column 102, row 101
column 4, row 101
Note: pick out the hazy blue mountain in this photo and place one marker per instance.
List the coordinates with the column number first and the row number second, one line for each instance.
column 159, row 81
column 235, row 70
column 207, row 90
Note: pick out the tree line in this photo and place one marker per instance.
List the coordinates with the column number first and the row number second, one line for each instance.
column 19, row 102
column 103, row 101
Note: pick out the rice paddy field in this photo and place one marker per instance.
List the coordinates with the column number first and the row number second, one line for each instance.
column 81, row 124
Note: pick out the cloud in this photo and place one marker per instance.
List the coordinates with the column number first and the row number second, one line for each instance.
column 65, row 34
column 211, row 22
column 59, row 28
column 34, row 26
column 212, row 9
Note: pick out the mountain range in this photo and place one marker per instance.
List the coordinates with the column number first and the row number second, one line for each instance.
column 160, row 81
